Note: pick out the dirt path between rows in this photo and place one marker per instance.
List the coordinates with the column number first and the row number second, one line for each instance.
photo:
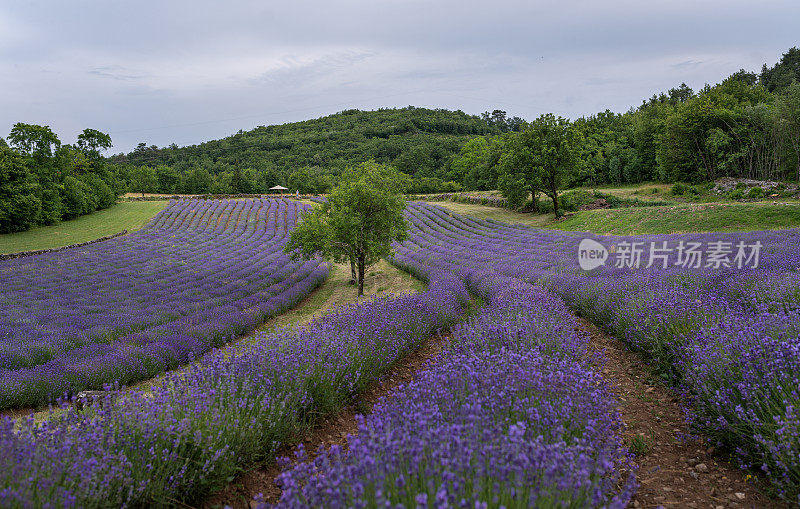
column 675, row 470
column 333, row 430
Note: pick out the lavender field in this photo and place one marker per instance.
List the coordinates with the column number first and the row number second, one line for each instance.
column 514, row 412
column 201, row 273
column 725, row 329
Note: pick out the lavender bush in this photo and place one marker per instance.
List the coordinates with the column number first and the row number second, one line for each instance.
column 725, row 334
column 199, row 427
column 126, row 309
column 510, row 416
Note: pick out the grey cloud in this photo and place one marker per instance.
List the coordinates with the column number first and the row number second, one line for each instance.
column 686, row 64
column 188, row 71
column 116, row 72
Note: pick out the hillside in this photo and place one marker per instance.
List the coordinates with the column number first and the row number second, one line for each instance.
column 417, row 141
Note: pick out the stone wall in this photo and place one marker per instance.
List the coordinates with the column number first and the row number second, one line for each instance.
column 21, row 254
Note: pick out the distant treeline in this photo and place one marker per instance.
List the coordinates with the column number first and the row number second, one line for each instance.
column 309, row 155
column 43, row 181
column 746, row 126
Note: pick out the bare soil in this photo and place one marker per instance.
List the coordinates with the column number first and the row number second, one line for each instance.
column 676, row 469
column 333, row 430
column 600, row 203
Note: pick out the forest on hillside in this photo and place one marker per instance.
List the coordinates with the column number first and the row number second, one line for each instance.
column 746, row 126
column 307, row 155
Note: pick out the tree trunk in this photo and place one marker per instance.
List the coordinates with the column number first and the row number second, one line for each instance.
column 554, row 193
column 797, row 155
column 535, row 201
column 361, row 269
column 353, row 275
column 555, row 202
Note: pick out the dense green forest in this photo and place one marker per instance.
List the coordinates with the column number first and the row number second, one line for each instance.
column 746, row 126
column 308, row 155
column 43, row 181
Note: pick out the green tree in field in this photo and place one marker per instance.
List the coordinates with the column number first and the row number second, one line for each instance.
column 358, row 223
column 222, row 184
column 540, row 157
column 196, row 181
column 143, row 180
column 477, row 163
column 37, row 144
column 33, row 140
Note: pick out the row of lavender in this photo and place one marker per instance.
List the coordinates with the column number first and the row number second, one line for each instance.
column 198, row 428
column 126, row 309
column 510, row 415
column 725, row 327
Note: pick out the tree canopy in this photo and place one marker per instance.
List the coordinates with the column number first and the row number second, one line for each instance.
column 746, row 126
column 43, row 181
column 539, row 159
column 361, row 218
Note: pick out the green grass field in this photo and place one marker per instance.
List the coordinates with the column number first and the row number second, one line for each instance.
column 667, row 219
column 711, row 217
column 127, row 215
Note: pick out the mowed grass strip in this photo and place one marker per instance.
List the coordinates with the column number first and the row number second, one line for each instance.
column 711, row 217
column 708, row 217
column 381, row 278
column 496, row 214
column 125, row 215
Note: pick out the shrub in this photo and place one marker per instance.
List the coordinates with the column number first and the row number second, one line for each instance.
column 678, row 189
column 755, row 193
column 736, row 194
column 574, row 200
column 75, row 202
column 513, row 190
column 103, row 194
column 52, row 204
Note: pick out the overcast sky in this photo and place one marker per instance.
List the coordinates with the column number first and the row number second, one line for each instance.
column 186, row 72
